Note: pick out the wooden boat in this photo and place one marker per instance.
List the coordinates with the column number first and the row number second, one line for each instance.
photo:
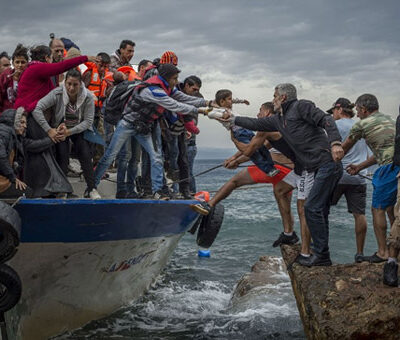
column 81, row 259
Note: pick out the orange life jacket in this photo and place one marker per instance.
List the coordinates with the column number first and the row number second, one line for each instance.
column 97, row 84
column 132, row 75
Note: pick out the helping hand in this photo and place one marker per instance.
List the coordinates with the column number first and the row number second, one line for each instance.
column 337, row 152
column 94, row 59
column 353, row 169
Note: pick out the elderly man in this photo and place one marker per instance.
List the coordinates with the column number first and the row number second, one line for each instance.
column 57, row 55
column 123, row 55
column 378, row 130
column 316, row 143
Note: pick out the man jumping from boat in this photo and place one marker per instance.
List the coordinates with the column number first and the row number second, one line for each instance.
column 313, row 137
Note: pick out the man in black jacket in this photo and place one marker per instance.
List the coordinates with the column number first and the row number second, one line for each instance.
column 316, row 142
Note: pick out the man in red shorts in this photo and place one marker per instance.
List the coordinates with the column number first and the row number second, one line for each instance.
column 253, row 175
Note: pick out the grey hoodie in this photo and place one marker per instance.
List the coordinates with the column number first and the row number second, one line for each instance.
column 57, row 100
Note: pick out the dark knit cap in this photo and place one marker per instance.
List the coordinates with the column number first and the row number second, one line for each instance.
column 167, row 70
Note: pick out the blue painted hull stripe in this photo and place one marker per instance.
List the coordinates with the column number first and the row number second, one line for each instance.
column 83, row 220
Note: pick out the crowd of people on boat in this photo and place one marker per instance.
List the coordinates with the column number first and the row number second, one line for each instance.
column 110, row 116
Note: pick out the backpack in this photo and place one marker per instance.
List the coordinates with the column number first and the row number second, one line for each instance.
column 117, row 99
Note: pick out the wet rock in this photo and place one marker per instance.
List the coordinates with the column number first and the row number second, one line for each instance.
column 267, row 271
column 344, row 301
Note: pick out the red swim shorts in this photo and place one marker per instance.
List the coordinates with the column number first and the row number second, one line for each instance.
column 260, row 176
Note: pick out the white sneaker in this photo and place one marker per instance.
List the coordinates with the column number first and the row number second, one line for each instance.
column 94, row 195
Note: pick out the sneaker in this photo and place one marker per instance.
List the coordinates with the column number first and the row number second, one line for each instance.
column 62, row 195
column 203, row 208
column 273, row 172
column 314, row 260
column 132, row 195
column 359, row 257
column 186, row 195
column 93, row 194
column 375, row 259
column 160, row 195
column 285, row 239
column 390, row 276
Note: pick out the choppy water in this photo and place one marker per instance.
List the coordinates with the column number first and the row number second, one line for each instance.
column 191, row 299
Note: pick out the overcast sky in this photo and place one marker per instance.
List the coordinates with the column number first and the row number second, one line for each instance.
column 327, row 49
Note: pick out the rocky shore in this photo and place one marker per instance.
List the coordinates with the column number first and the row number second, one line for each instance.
column 344, row 301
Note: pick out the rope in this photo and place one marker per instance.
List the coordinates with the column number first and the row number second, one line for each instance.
column 200, row 173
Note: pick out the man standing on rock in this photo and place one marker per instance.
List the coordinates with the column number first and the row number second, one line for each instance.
column 390, row 270
column 316, row 142
column 354, row 188
column 378, row 130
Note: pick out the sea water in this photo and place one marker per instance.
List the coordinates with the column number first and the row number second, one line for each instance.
column 191, row 299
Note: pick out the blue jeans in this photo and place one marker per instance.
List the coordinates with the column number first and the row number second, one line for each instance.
column 317, row 205
column 191, row 151
column 128, row 159
column 123, row 131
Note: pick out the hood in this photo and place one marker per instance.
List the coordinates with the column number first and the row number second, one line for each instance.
column 8, row 117
column 83, row 93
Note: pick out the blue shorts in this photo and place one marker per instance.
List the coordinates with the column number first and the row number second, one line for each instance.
column 385, row 186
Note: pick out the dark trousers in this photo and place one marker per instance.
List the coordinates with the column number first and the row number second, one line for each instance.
column 183, row 163
column 83, row 153
column 317, row 205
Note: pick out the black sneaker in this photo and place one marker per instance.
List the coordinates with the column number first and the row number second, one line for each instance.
column 203, row 208
column 314, row 260
column 160, row 195
column 285, row 239
column 359, row 257
column 390, row 276
column 132, row 195
column 375, row 258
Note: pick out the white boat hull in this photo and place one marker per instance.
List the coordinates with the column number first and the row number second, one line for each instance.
column 66, row 285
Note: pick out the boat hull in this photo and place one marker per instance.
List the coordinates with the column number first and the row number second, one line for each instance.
column 100, row 267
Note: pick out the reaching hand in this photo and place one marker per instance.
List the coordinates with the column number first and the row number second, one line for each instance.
column 213, row 104
column 204, row 110
column 232, row 165
column 246, row 102
column 94, row 59
column 20, row 185
column 337, row 152
column 353, row 169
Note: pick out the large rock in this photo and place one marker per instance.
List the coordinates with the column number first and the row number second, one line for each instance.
column 344, row 301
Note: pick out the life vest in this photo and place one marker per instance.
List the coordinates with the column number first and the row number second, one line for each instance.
column 147, row 112
column 132, row 75
column 97, row 84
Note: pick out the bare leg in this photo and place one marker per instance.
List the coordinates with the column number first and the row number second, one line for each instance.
column 360, row 224
column 283, row 196
column 240, row 179
column 379, row 221
column 305, row 233
column 390, row 214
